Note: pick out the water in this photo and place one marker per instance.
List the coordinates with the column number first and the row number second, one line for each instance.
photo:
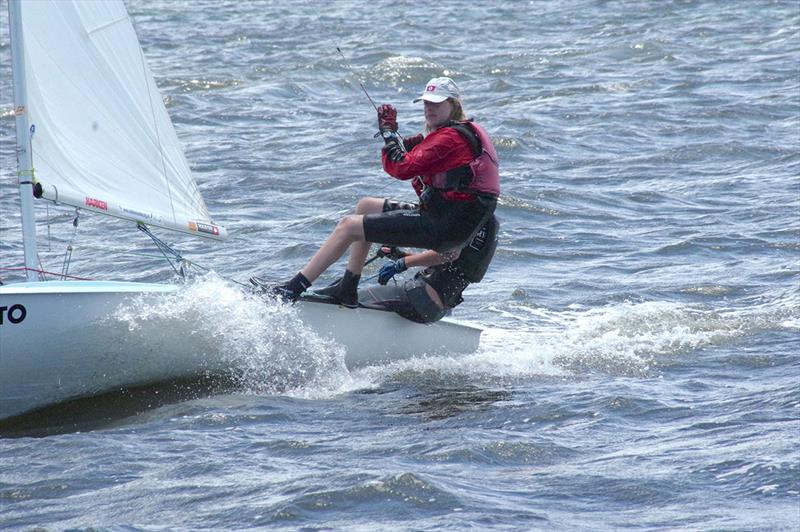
column 639, row 367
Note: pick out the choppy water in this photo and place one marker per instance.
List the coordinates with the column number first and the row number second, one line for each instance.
column 639, row 367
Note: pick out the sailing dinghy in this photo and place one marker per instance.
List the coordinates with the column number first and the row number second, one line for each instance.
column 93, row 133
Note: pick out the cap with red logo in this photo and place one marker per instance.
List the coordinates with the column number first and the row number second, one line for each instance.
column 439, row 89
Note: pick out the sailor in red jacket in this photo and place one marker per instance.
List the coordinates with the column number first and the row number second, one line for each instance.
column 455, row 171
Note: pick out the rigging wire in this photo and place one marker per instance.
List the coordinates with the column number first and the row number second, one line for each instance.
column 166, row 251
column 183, row 264
column 39, row 271
column 350, row 68
column 68, row 252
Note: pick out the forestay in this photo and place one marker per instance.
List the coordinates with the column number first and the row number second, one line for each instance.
column 102, row 137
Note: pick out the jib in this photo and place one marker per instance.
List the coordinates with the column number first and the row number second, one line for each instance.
column 14, row 313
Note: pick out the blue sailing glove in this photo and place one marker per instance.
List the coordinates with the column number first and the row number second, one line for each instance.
column 391, row 269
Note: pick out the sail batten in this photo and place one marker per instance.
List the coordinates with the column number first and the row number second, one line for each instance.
column 107, row 24
column 103, row 136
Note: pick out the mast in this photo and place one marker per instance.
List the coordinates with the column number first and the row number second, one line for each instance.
column 24, row 160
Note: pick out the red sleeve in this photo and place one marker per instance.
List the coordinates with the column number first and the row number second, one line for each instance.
column 410, row 142
column 442, row 150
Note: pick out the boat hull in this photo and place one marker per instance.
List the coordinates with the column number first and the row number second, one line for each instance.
column 376, row 336
column 63, row 348
column 57, row 342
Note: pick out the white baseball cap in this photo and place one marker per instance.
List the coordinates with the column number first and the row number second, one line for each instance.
column 438, row 90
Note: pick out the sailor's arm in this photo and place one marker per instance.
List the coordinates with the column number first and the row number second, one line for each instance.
column 430, row 258
column 424, row 259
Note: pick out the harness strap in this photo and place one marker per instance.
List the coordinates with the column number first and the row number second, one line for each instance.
column 460, row 177
column 470, row 136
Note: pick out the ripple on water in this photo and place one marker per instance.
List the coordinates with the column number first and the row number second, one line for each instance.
column 402, row 70
column 398, row 495
column 501, row 453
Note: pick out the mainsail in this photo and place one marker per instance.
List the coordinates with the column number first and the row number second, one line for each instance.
column 101, row 137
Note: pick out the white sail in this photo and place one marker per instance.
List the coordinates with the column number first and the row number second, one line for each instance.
column 102, row 137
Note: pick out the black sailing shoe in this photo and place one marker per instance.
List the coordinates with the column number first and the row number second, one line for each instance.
column 263, row 287
column 343, row 292
column 288, row 291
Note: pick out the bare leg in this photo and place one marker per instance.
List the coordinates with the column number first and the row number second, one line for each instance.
column 359, row 250
column 349, row 230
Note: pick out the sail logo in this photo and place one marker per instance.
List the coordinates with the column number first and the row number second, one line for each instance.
column 204, row 228
column 96, row 203
column 14, row 313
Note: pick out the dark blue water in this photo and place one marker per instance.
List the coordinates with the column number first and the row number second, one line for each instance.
column 640, row 365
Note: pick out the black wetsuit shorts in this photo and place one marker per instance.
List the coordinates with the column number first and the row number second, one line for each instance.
column 438, row 224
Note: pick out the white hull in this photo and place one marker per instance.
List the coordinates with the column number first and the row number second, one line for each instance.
column 65, row 347
column 375, row 336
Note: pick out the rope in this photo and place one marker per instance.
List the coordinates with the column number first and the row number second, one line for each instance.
column 68, row 252
column 312, row 219
column 67, row 259
column 111, row 250
column 335, row 214
column 31, row 172
column 49, row 237
column 164, row 248
column 40, row 271
column 373, row 277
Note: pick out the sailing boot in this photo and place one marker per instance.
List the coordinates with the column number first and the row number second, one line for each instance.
column 288, row 291
column 343, row 292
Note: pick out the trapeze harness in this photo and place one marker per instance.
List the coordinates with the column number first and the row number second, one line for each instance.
column 449, row 280
column 410, row 299
column 480, row 177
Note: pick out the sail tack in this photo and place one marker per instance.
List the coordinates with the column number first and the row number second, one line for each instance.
column 102, row 138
